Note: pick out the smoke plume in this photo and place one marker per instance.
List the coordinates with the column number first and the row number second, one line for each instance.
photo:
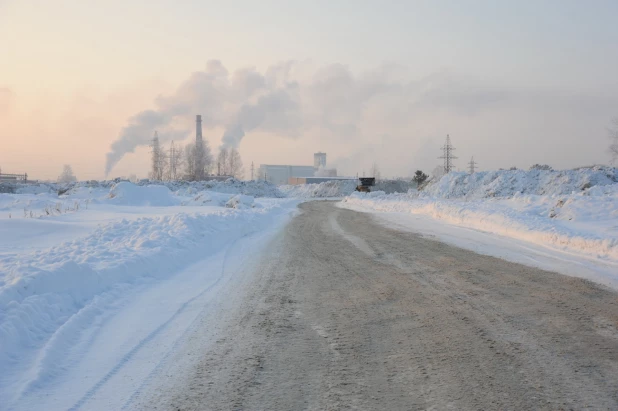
column 291, row 99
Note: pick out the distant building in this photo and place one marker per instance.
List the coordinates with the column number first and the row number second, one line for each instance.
column 317, row 180
column 319, row 160
column 280, row 174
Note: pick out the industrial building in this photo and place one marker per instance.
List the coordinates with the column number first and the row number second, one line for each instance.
column 280, row 174
column 318, row 180
column 283, row 174
column 319, row 160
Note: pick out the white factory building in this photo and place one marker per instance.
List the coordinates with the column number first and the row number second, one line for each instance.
column 287, row 174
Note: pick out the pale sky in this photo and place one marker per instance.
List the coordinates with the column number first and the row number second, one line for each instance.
column 513, row 82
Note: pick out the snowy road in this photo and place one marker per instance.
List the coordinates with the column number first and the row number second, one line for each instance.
column 346, row 313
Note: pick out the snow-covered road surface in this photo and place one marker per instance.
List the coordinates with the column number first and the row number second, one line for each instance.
column 345, row 313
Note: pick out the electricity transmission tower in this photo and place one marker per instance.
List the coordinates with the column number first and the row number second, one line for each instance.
column 447, row 155
column 472, row 164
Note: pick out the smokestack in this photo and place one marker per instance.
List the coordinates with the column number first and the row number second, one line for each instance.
column 199, row 149
column 198, row 129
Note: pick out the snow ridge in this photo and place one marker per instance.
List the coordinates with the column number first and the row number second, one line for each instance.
column 575, row 211
column 48, row 297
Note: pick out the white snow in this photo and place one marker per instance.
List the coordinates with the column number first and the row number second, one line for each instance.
column 573, row 212
column 341, row 188
column 79, row 274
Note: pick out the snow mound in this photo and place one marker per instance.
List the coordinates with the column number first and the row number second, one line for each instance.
column 574, row 210
column 48, row 297
column 508, row 183
column 253, row 188
column 326, row 189
column 126, row 193
column 240, row 201
column 342, row 188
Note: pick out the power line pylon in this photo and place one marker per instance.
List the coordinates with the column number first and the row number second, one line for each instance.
column 447, row 155
column 472, row 164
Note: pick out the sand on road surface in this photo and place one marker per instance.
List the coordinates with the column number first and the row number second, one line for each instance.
column 345, row 313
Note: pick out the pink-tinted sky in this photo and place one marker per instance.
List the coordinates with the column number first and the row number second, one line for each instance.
column 514, row 83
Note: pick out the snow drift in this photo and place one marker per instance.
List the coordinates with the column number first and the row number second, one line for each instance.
column 342, row 188
column 508, row 183
column 48, row 296
column 573, row 210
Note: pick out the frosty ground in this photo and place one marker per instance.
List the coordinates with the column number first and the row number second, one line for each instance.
column 101, row 287
column 99, row 283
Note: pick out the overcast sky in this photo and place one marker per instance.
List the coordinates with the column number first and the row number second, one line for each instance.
column 514, row 83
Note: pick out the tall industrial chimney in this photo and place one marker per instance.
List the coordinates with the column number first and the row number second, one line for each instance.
column 199, row 149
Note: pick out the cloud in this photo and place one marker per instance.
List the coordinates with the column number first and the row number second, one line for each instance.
column 291, row 99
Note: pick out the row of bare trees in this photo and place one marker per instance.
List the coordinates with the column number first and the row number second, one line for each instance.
column 192, row 162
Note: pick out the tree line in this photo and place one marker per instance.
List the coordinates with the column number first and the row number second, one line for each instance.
column 193, row 162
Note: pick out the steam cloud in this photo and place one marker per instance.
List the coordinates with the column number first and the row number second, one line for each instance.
column 291, row 99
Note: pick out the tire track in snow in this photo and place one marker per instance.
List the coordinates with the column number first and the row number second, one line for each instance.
column 127, row 357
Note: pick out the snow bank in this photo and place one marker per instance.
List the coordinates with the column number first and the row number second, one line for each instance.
column 342, row 188
column 256, row 189
column 507, row 183
column 322, row 190
column 126, row 193
column 241, row 202
column 49, row 296
column 575, row 210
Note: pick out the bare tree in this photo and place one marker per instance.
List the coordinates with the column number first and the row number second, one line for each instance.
column 197, row 163
column 222, row 162
column 235, row 166
column 613, row 135
column 189, row 160
column 175, row 160
column 67, row 175
column 158, row 159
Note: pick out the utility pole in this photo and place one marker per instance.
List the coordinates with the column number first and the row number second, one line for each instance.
column 252, row 171
column 447, row 155
column 472, row 165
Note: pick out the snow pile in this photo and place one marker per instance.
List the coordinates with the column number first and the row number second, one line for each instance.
column 575, row 210
column 49, row 296
column 240, row 201
column 256, row 189
column 334, row 188
column 507, row 183
column 342, row 188
column 126, row 193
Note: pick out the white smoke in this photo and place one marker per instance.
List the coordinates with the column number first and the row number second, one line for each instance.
column 291, row 99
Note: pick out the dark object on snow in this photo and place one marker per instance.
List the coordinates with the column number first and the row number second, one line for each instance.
column 365, row 183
